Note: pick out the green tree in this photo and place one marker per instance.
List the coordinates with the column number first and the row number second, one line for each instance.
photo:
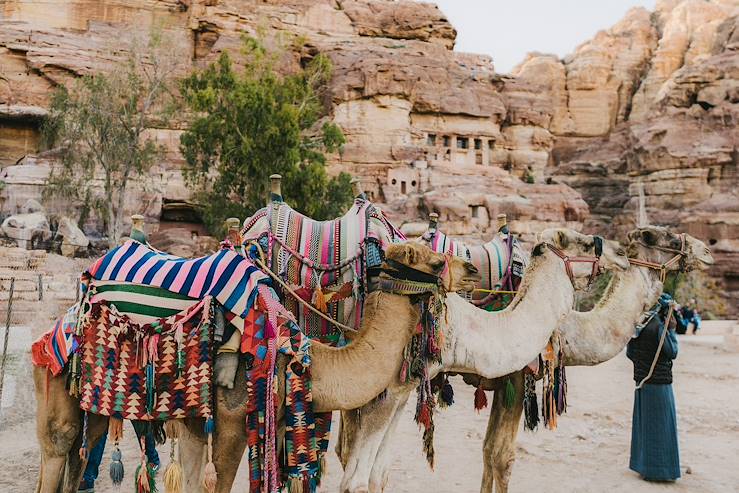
column 255, row 122
column 99, row 125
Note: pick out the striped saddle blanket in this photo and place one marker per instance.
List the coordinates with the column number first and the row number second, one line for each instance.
column 328, row 259
column 500, row 261
column 147, row 285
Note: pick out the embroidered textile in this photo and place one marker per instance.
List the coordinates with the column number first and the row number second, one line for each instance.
column 334, row 255
column 157, row 371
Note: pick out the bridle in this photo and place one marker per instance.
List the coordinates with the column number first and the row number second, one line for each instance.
column 568, row 261
column 663, row 268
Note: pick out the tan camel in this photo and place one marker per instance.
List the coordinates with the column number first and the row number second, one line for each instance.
column 342, row 379
column 489, row 344
column 591, row 338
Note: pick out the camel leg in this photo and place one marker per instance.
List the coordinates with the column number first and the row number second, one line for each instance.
column 229, row 443
column 363, row 437
column 381, row 469
column 192, row 445
column 97, row 426
column 499, row 447
column 58, row 423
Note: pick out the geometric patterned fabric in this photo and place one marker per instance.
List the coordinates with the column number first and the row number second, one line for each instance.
column 158, row 371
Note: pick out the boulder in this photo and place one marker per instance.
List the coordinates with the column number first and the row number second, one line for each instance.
column 29, row 231
column 73, row 239
column 31, row 206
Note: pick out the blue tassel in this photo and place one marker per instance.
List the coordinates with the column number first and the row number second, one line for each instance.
column 150, row 388
column 116, row 467
column 210, row 426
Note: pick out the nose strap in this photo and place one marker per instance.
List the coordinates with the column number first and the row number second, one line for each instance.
column 568, row 261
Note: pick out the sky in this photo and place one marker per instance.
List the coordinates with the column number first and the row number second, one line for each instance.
column 508, row 29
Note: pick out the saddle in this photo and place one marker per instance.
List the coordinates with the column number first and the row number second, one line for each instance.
column 325, row 262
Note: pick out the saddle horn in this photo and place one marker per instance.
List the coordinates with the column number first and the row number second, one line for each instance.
column 137, row 229
column 433, row 220
column 275, row 186
column 232, row 227
column 502, row 223
column 358, row 189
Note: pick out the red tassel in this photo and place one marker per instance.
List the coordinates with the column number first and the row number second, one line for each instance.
column 424, row 417
column 404, row 371
column 481, row 400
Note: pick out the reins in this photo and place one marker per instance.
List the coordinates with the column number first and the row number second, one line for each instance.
column 664, row 267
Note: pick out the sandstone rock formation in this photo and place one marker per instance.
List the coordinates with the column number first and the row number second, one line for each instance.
column 651, row 100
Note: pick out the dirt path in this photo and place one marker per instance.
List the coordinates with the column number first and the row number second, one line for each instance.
column 588, row 453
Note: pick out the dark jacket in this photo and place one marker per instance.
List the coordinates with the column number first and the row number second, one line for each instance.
column 641, row 351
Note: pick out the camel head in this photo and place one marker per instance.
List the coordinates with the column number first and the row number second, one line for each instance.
column 607, row 254
column 455, row 273
column 659, row 245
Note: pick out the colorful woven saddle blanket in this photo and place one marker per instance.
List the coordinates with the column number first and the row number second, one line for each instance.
column 226, row 276
column 326, row 262
column 500, row 261
column 157, row 371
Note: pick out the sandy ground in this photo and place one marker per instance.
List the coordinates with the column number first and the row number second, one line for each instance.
column 588, row 453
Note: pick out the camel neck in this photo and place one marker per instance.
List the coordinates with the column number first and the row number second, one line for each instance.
column 349, row 377
column 592, row 337
column 493, row 344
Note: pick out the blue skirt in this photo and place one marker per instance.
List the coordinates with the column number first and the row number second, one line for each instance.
column 654, row 447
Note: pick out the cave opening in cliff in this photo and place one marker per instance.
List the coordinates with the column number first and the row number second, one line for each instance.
column 181, row 215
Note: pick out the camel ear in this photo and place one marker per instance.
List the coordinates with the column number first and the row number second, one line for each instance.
column 649, row 237
column 633, row 235
column 562, row 239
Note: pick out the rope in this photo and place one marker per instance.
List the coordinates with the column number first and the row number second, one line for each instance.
column 7, row 336
column 300, row 300
column 494, row 291
column 659, row 348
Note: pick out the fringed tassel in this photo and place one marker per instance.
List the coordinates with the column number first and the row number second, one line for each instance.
column 174, row 475
column 319, row 299
column 560, row 386
column 210, row 477
column 116, row 469
column 446, row 394
column 481, row 400
column 145, row 482
column 84, row 448
column 295, row 485
column 530, row 404
column 151, row 391
column 549, row 406
column 510, row 394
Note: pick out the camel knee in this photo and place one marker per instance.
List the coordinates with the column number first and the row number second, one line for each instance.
column 58, row 436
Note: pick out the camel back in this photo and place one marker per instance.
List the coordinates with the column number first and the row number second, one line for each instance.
column 329, row 260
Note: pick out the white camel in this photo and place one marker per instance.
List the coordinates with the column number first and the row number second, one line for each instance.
column 588, row 338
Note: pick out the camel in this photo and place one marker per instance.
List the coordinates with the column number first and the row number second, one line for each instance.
column 487, row 343
column 587, row 338
column 343, row 378
column 594, row 337
column 538, row 311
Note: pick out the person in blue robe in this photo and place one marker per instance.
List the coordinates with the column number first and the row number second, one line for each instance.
column 654, row 444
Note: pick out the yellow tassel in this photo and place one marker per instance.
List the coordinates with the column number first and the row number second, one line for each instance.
column 323, row 465
column 173, row 478
column 319, row 299
column 211, row 476
column 174, row 475
column 295, row 485
column 115, row 429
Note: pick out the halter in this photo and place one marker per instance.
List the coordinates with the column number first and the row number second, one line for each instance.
column 399, row 278
column 568, row 261
column 663, row 268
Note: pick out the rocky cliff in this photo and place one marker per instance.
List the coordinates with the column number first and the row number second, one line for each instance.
column 649, row 104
